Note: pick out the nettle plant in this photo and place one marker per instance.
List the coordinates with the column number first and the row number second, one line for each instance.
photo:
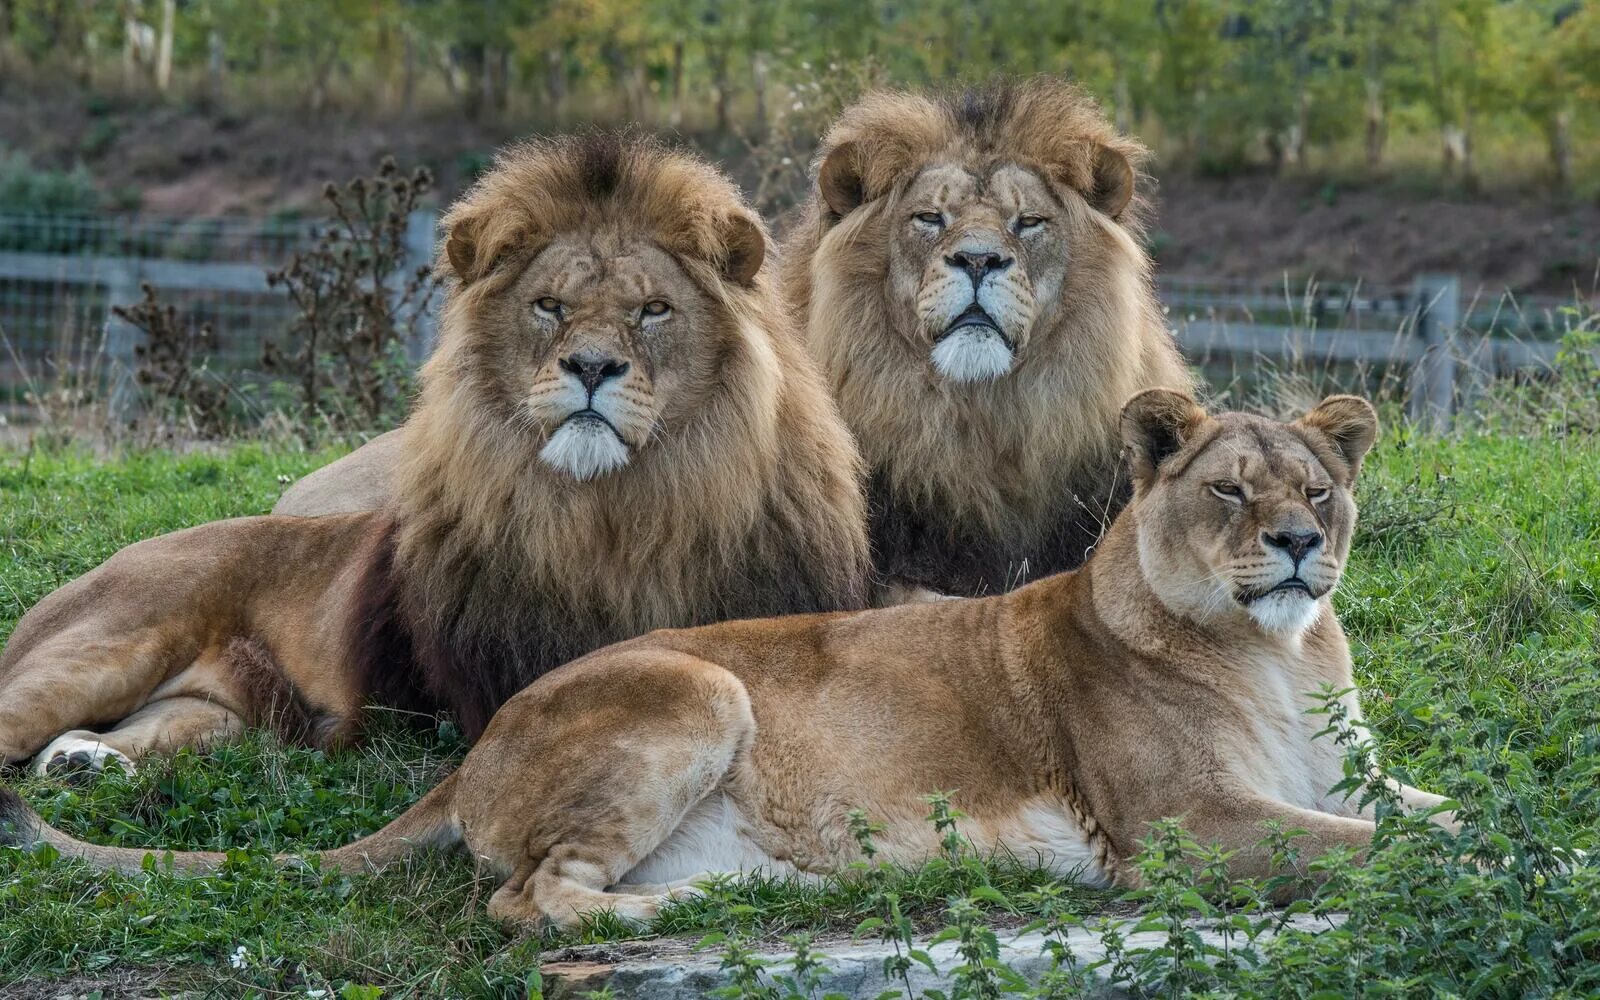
column 1506, row 907
column 357, row 302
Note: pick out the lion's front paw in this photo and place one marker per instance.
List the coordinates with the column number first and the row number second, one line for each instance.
column 78, row 754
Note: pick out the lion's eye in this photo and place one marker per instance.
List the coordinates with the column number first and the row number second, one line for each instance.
column 1317, row 494
column 1027, row 222
column 930, row 218
column 655, row 309
column 1228, row 490
column 549, row 306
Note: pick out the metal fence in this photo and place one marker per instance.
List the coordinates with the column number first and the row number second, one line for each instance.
column 60, row 276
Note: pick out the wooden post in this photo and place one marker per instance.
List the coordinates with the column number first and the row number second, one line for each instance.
column 422, row 238
column 122, row 392
column 1433, row 380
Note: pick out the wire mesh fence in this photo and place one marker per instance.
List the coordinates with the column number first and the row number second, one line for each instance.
column 61, row 276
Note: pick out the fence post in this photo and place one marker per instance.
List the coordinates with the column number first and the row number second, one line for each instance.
column 122, row 289
column 1433, row 380
column 422, row 235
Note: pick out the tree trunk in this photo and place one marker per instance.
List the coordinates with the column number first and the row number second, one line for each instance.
column 408, row 72
column 555, row 80
column 322, row 72
column 719, row 80
column 1123, row 95
column 1377, row 123
column 758, row 73
column 676, row 115
column 1294, row 150
column 216, row 68
column 1560, row 129
column 169, row 15
column 8, row 33
column 500, row 78
column 472, row 66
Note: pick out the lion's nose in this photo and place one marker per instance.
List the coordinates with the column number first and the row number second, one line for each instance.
column 1296, row 543
column 593, row 368
column 978, row 264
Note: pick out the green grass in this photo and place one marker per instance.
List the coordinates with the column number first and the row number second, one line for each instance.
column 1475, row 585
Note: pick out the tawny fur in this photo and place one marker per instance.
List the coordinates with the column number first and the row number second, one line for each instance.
column 1067, row 715
column 977, row 487
column 741, row 496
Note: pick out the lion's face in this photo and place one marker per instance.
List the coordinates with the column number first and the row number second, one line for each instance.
column 976, row 263
column 1241, row 517
column 600, row 347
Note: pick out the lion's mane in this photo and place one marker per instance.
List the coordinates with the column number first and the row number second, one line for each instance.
column 485, row 572
column 978, row 488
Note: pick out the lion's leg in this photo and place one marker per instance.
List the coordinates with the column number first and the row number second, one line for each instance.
column 159, row 727
column 1240, row 825
column 68, row 683
column 612, row 758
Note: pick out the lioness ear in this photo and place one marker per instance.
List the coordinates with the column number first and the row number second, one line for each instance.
column 1113, row 182
column 1349, row 423
column 746, row 249
column 839, row 179
column 1155, row 424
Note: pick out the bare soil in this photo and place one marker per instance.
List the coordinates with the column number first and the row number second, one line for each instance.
column 179, row 160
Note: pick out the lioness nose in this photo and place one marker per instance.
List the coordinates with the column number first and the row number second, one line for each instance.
column 1296, row 543
column 977, row 264
column 593, row 369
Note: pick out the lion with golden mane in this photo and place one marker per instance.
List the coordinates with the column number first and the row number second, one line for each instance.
column 616, row 433
column 972, row 280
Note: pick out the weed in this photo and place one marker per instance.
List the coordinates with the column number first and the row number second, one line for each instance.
column 355, row 309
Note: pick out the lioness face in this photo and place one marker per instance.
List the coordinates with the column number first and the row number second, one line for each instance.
column 602, row 345
column 976, row 262
column 1251, row 519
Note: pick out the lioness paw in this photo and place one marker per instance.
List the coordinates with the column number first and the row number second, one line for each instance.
column 78, row 754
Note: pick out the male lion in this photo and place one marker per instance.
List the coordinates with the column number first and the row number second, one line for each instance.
column 1164, row 679
column 970, row 272
column 616, row 433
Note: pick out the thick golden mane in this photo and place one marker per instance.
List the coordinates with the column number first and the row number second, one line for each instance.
column 498, row 568
column 980, row 486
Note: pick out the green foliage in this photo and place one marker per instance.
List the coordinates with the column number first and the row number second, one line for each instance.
column 27, row 188
column 1219, row 83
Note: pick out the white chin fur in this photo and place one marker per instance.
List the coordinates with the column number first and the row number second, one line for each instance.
column 972, row 354
column 1289, row 612
column 584, row 448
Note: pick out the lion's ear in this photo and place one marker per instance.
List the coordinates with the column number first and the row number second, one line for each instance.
column 479, row 243
column 1113, row 182
column 840, row 179
column 1349, row 423
column 746, row 248
column 1155, row 424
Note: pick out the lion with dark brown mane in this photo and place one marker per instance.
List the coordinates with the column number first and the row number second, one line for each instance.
column 972, row 279
column 616, row 433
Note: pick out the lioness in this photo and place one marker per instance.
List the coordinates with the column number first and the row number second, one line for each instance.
column 970, row 273
column 1164, row 679
column 972, row 278
column 617, row 432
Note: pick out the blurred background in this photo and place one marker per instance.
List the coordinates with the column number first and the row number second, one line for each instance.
column 1338, row 181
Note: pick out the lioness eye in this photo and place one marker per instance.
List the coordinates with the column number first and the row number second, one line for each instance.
column 1228, row 490
column 548, row 305
column 655, row 309
column 1029, row 222
column 930, row 218
column 1317, row 494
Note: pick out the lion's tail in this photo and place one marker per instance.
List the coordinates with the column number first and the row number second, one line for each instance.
column 429, row 823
